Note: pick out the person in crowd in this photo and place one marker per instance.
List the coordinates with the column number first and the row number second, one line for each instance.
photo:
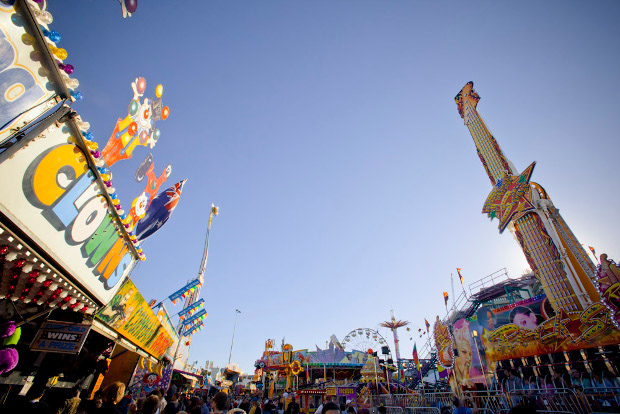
column 602, row 392
column 292, row 407
column 71, row 404
column 319, row 410
column 173, row 406
column 332, row 408
column 269, row 408
column 205, row 408
column 171, row 390
column 139, row 404
column 245, row 405
column 125, row 402
column 85, row 401
column 151, row 404
column 599, row 383
column 459, row 408
column 577, row 381
column 513, row 381
column 32, row 403
column 133, row 408
column 350, row 405
column 351, row 410
column 281, row 408
column 256, row 409
column 220, row 402
column 112, row 395
column 162, row 400
column 343, row 408
column 92, row 406
column 559, row 381
column 194, row 406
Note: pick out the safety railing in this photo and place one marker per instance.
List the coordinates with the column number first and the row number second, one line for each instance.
column 603, row 398
column 544, row 400
column 394, row 410
column 422, row 410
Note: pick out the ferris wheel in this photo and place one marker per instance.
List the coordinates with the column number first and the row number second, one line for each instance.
column 363, row 339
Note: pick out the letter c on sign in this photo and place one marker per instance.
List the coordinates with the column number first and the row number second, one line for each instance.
column 56, row 171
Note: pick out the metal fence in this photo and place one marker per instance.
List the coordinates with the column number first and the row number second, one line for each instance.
column 544, row 400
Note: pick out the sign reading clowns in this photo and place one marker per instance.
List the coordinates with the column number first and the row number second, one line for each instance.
column 50, row 193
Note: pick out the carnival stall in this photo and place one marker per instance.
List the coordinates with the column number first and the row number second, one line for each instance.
column 69, row 315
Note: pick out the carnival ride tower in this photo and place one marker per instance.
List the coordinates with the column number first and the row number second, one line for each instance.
column 552, row 251
column 192, row 298
column 393, row 324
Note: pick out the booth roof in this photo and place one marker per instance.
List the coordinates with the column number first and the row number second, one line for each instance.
column 189, row 375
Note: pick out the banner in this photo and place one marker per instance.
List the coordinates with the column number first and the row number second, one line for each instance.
column 181, row 293
column 197, row 317
column 129, row 315
column 469, row 365
column 189, row 311
column 562, row 331
column 443, row 344
column 27, row 89
column 48, row 190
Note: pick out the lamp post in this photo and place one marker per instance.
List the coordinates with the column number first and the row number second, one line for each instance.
column 484, row 375
column 237, row 311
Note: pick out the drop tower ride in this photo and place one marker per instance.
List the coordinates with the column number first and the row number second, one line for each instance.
column 552, row 250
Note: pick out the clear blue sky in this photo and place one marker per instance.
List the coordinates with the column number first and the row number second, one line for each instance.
column 327, row 134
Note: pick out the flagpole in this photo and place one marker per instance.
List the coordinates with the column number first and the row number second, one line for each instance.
column 461, row 279
column 452, row 283
column 594, row 254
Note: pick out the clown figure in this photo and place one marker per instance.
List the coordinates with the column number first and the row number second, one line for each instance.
column 138, row 126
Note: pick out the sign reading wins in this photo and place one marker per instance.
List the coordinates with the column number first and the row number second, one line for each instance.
column 63, row 337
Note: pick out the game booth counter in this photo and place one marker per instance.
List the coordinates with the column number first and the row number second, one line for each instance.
column 68, row 311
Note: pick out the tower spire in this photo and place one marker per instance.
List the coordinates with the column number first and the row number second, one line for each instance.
column 551, row 249
column 495, row 163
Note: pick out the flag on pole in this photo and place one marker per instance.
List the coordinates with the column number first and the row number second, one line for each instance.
column 458, row 270
column 443, row 373
column 416, row 359
column 428, row 325
column 592, row 250
column 159, row 212
column 445, row 298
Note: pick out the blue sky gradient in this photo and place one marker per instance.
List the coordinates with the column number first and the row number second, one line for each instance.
column 327, row 134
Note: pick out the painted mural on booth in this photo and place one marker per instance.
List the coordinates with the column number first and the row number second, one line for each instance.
column 144, row 380
column 129, row 314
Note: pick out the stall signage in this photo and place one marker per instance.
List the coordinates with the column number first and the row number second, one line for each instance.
column 48, row 190
column 349, row 392
column 63, row 337
column 130, row 315
column 24, row 85
column 164, row 319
